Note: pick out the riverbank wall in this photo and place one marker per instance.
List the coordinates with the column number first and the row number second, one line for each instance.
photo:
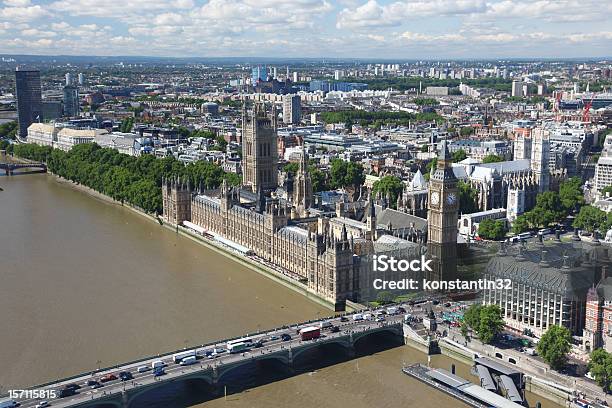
column 264, row 270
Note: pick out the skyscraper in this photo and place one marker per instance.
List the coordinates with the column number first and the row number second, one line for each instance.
column 81, row 78
column 71, row 101
column 29, row 99
column 517, row 88
column 292, row 107
column 259, row 149
column 69, row 79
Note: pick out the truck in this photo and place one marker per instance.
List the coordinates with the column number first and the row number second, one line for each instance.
column 309, row 333
column 392, row 310
column 177, row 357
column 325, row 324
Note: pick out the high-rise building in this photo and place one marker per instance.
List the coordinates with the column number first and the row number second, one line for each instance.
column 71, row 101
column 292, row 107
column 517, row 88
column 259, row 73
column 29, row 99
column 81, row 79
column 69, row 79
column 259, row 148
column 442, row 218
column 295, row 76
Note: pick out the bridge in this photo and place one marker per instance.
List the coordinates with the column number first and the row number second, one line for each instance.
column 215, row 364
column 11, row 168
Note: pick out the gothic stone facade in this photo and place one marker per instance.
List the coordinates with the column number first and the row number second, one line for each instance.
column 318, row 258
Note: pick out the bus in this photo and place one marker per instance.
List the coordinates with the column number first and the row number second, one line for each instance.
column 246, row 340
column 184, row 354
column 238, row 347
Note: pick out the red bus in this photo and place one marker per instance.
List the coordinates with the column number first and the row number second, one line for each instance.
column 309, row 333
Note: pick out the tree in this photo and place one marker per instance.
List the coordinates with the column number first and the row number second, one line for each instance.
column 384, row 297
column 459, row 155
column 424, row 148
column 492, row 158
column 554, row 346
column 606, row 191
column 344, row 174
column 590, row 218
column 491, row 323
column 570, row 194
column 600, row 367
column 8, row 130
column 388, row 186
column 520, row 224
column 467, row 198
column 466, row 131
column 486, row 321
column 492, row 229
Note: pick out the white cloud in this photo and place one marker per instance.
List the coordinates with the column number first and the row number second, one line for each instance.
column 17, row 3
column 22, row 13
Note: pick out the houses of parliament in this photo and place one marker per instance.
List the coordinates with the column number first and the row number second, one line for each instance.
column 328, row 249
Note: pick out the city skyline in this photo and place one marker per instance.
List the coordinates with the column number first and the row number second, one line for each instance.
column 307, row 28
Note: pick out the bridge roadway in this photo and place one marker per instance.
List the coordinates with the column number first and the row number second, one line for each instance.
column 212, row 370
column 9, row 168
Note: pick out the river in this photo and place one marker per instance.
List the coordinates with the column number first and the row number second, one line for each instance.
column 85, row 284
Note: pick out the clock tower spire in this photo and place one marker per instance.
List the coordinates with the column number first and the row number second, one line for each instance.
column 443, row 205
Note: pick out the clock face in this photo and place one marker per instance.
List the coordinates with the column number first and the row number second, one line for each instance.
column 451, row 198
column 435, row 198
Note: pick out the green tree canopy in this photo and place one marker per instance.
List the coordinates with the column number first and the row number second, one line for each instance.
column 467, row 198
column 600, row 367
column 492, row 229
column 486, row 321
column 466, row 131
column 345, row 174
column 492, row 158
column 590, row 218
column 459, row 155
column 520, row 224
column 570, row 194
column 389, row 185
column 554, row 346
column 8, row 130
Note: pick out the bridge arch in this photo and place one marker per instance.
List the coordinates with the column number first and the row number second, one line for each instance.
column 140, row 393
column 344, row 342
column 222, row 371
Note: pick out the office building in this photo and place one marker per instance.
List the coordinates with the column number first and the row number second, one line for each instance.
column 69, row 79
column 292, row 109
column 71, row 101
column 517, row 88
column 29, row 99
column 81, row 79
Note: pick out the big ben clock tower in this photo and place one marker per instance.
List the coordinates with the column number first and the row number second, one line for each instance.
column 442, row 211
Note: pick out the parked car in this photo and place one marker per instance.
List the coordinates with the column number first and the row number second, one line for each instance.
column 285, row 337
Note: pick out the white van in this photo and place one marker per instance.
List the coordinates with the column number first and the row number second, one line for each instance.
column 143, row 369
column 157, row 364
column 357, row 316
column 189, row 361
column 325, row 325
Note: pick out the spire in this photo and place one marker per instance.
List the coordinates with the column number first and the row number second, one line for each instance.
column 444, row 153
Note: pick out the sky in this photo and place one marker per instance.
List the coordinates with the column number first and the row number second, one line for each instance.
column 403, row 29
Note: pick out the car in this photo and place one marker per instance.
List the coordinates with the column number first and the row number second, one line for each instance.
column 125, row 375
column 66, row 392
column 72, row 386
column 272, row 338
column 435, row 302
column 96, row 384
column 285, row 337
column 91, row 382
column 344, row 319
column 379, row 319
column 159, row 371
column 335, row 329
column 258, row 344
column 143, row 369
column 43, row 404
column 108, row 377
